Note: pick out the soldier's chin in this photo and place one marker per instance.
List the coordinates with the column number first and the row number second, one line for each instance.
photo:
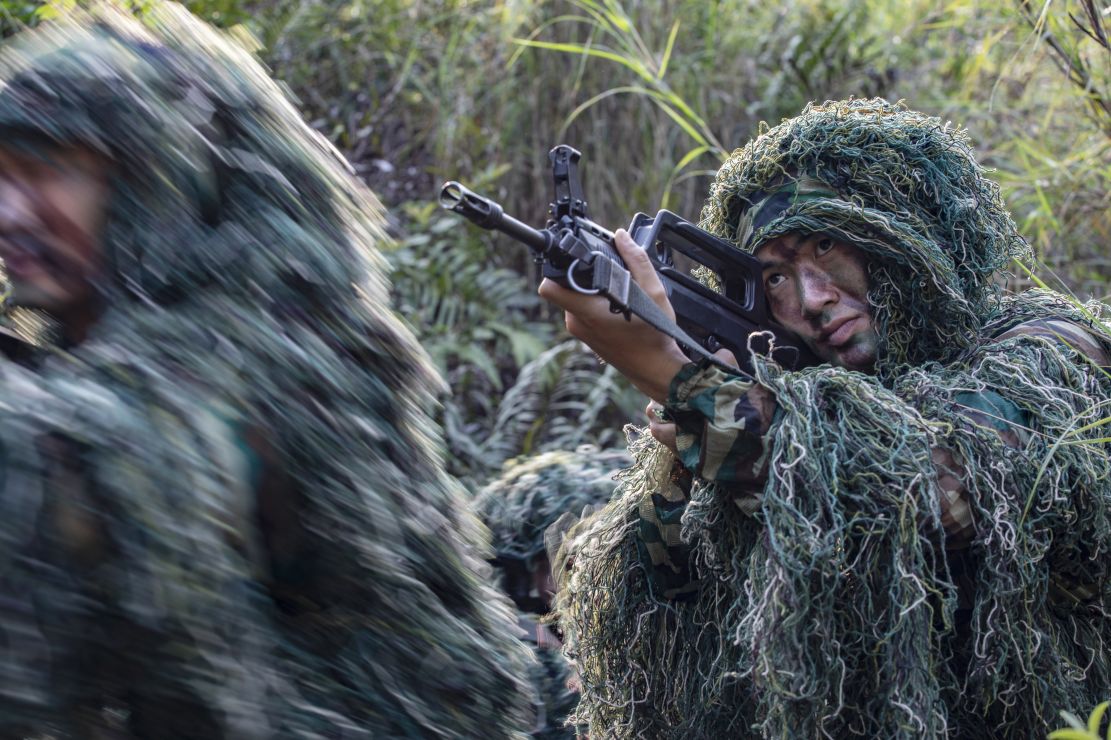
column 858, row 354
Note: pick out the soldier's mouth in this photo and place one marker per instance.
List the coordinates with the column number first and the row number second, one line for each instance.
column 840, row 333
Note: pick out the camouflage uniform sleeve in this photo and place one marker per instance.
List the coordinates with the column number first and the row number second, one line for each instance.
column 661, row 549
column 1068, row 333
column 721, row 421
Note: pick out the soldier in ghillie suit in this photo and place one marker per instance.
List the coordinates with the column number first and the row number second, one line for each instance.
column 909, row 540
column 532, row 502
column 225, row 515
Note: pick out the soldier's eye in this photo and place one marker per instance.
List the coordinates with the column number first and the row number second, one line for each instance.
column 824, row 246
column 774, row 279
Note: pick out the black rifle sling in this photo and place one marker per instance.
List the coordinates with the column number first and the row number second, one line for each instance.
column 613, row 281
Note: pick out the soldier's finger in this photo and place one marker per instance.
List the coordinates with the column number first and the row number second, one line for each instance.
column 640, row 268
column 727, row 357
column 567, row 299
column 664, row 434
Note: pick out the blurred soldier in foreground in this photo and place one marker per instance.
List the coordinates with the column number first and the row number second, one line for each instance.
column 224, row 513
column 551, row 490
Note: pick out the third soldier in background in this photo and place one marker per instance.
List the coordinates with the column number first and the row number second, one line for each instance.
column 530, row 504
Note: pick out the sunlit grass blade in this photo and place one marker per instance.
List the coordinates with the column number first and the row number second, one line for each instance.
column 685, row 109
column 664, row 101
column 617, row 17
column 551, row 22
column 1096, row 441
column 1041, row 472
column 570, row 48
column 594, row 100
column 1071, row 734
column 676, row 175
column 682, row 122
column 1093, row 425
column 667, row 50
column 1076, row 302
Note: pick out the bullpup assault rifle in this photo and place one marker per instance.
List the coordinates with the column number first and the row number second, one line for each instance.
column 579, row 254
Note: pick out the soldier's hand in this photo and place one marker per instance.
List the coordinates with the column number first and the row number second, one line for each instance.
column 659, row 427
column 647, row 357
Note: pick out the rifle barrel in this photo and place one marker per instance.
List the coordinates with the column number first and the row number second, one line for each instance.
column 488, row 214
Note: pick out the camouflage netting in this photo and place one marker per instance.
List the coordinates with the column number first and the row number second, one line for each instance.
column 244, row 298
column 519, row 506
column 840, row 608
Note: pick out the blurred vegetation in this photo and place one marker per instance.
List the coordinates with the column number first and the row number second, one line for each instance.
column 654, row 93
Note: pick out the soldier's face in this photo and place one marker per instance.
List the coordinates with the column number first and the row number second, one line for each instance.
column 53, row 202
column 818, row 288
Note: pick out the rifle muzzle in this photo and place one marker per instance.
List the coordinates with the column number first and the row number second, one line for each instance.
column 489, row 215
column 470, row 205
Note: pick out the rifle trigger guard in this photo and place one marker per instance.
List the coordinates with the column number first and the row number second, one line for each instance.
column 575, row 286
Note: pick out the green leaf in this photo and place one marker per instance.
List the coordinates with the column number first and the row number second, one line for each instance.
column 617, row 16
column 524, row 345
column 687, row 158
column 1097, row 715
column 590, row 102
column 683, row 122
column 667, row 50
column 477, row 356
column 540, row 29
column 1071, row 734
column 1073, row 721
column 681, row 104
column 1096, row 441
column 633, row 64
column 690, row 156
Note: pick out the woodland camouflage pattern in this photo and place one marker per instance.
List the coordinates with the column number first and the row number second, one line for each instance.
column 244, row 293
column 835, row 600
column 531, row 495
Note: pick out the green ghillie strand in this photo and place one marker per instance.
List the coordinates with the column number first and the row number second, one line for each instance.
column 838, row 608
column 519, row 506
column 245, row 292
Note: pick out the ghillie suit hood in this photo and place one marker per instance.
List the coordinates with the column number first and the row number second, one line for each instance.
column 531, row 493
column 904, row 188
column 244, row 298
column 533, row 500
column 832, row 602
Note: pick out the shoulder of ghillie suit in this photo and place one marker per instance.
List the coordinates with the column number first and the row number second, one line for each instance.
column 531, row 493
column 902, row 186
